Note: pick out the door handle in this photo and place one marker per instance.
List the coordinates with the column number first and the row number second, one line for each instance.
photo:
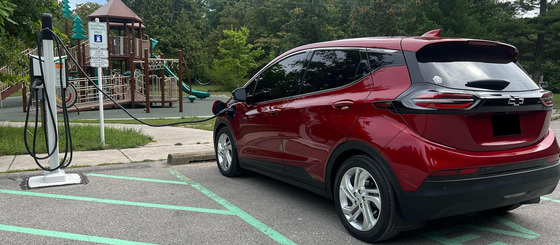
column 343, row 104
column 274, row 112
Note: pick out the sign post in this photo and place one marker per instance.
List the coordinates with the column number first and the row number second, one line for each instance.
column 97, row 32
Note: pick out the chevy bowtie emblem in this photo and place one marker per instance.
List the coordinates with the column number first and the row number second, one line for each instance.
column 515, row 101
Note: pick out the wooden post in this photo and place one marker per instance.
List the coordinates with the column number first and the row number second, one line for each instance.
column 79, row 52
column 140, row 35
column 180, row 80
column 125, row 40
column 109, row 47
column 151, row 47
column 133, row 40
column 132, row 81
column 147, row 80
column 162, row 84
column 24, row 97
column 83, row 54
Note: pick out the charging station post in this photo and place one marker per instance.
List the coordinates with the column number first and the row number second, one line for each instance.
column 49, row 81
column 58, row 176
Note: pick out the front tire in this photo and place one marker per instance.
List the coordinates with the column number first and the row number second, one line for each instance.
column 226, row 153
column 364, row 200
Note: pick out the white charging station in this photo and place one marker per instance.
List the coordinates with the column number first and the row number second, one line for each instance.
column 50, row 75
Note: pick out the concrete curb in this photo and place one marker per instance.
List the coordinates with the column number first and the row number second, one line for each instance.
column 186, row 158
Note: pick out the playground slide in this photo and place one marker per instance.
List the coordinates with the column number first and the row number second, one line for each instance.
column 186, row 88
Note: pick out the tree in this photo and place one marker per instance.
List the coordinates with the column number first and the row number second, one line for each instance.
column 537, row 39
column 176, row 24
column 9, row 50
column 78, row 29
column 85, row 9
column 236, row 58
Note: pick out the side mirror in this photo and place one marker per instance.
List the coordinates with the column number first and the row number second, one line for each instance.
column 240, row 94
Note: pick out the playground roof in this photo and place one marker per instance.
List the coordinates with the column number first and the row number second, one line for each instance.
column 115, row 11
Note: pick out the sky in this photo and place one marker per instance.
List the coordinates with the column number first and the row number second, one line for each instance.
column 74, row 2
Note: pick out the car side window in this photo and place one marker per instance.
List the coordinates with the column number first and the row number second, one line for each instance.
column 279, row 80
column 334, row 68
column 379, row 58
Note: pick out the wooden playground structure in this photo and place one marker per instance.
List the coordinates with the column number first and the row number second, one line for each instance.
column 134, row 76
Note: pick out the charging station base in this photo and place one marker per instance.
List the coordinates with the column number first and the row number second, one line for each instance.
column 54, row 179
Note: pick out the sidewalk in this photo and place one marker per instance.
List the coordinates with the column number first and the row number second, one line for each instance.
column 168, row 140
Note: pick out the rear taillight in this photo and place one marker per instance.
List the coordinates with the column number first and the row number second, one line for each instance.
column 455, row 101
column 546, row 98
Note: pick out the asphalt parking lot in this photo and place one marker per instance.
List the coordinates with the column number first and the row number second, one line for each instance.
column 154, row 203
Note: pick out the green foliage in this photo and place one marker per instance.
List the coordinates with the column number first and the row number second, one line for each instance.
column 236, row 57
column 85, row 9
column 6, row 9
column 198, row 27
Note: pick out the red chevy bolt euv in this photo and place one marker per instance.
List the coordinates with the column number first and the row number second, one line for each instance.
column 396, row 130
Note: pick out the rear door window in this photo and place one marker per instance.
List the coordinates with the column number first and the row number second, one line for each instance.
column 279, row 80
column 334, row 68
column 383, row 58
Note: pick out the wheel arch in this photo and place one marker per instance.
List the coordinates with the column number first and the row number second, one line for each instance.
column 220, row 123
column 351, row 148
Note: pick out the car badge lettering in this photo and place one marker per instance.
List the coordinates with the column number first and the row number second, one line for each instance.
column 516, row 101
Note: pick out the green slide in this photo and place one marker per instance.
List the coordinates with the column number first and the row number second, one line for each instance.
column 186, row 88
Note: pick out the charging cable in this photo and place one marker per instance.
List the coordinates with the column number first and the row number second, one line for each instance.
column 68, row 146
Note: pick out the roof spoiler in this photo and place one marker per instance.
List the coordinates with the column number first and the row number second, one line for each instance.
column 432, row 33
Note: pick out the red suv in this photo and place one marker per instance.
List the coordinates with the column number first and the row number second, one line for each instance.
column 396, row 130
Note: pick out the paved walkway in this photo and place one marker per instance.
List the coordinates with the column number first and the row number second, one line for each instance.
column 168, row 140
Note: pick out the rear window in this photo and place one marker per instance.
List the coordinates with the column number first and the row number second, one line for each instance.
column 481, row 66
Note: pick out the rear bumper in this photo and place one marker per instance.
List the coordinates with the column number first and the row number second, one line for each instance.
column 437, row 198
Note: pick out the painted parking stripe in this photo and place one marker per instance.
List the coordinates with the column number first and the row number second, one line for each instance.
column 550, row 199
column 66, row 235
column 139, row 179
column 119, row 202
column 273, row 234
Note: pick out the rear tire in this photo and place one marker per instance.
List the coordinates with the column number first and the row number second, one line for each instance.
column 226, row 153
column 364, row 200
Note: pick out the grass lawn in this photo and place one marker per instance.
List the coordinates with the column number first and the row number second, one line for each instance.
column 208, row 125
column 84, row 138
column 556, row 101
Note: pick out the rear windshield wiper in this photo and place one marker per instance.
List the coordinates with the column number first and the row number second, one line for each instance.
column 494, row 84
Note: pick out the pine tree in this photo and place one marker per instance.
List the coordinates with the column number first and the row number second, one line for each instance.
column 78, row 29
column 66, row 9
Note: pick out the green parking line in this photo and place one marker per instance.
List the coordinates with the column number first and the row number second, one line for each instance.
column 120, row 202
column 273, row 234
column 66, row 235
column 550, row 199
column 139, row 179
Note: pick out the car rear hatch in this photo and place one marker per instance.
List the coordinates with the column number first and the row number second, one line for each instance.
column 473, row 95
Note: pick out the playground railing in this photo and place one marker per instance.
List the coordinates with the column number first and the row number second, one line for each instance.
column 169, row 90
column 115, row 86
